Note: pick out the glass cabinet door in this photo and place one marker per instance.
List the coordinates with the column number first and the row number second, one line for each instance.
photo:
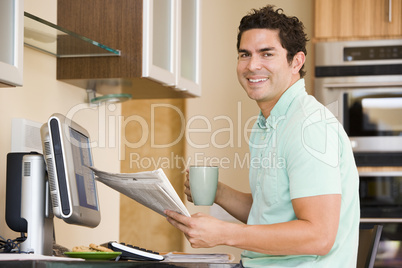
column 188, row 49
column 11, row 42
column 7, row 32
column 159, row 40
column 171, row 43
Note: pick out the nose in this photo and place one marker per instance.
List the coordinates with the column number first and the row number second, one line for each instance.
column 254, row 63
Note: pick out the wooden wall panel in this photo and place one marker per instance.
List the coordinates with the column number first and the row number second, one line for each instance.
column 148, row 124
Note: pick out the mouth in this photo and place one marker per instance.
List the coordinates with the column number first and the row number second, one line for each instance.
column 257, row 80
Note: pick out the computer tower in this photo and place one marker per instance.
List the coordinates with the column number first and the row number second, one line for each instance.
column 28, row 202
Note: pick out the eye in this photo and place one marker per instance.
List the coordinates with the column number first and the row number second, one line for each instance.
column 243, row 55
column 266, row 55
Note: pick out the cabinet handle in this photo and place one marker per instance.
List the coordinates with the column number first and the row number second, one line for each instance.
column 389, row 11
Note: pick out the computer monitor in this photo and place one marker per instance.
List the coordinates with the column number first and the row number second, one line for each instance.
column 67, row 153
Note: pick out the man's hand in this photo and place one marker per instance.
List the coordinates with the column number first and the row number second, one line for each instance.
column 187, row 188
column 202, row 231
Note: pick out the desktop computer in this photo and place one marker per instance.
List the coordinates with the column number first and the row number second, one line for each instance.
column 58, row 183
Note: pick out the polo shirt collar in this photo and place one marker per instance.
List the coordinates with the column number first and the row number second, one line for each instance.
column 282, row 105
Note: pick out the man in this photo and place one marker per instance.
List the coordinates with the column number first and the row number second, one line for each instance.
column 304, row 207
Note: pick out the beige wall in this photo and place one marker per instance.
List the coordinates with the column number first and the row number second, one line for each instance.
column 42, row 95
column 223, row 103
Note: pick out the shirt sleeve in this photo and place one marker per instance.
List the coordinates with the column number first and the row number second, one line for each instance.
column 312, row 156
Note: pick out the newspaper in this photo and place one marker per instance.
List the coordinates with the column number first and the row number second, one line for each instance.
column 150, row 188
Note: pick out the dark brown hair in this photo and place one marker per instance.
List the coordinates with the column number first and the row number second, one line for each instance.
column 291, row 29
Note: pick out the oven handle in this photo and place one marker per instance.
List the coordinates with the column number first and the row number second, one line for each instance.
column 356, row 85
column 381, row 220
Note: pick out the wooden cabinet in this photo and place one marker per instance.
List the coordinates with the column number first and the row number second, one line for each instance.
column 159, row 42
column 357, row 19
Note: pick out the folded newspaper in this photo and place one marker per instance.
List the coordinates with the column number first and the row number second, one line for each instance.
column 149, row 188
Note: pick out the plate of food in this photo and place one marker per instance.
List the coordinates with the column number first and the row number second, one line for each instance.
column 93, row 252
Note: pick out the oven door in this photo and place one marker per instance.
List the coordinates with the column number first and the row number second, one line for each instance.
column 372, row 118
column 380, row 194
column 370, row 112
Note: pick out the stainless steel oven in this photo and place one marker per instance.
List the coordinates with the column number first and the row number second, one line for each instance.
column 361, row 83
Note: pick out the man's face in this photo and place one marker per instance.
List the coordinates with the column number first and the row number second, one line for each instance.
column 262, row 67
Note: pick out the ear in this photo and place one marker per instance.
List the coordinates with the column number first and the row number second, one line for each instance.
column 298, row 61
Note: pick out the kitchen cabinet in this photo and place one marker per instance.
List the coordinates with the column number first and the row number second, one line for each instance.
column 159, row 42
column 357, row 19
column 11, row 42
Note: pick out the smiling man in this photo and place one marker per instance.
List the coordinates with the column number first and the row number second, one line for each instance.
column 263, row 68
column 303, row 212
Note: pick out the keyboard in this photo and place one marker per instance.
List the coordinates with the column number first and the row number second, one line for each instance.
column 130, row 252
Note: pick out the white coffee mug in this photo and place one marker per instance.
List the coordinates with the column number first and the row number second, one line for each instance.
column 203, row 184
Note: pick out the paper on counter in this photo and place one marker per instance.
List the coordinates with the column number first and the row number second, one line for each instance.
column 150, row 188
column 34, row 257
column 198, row 257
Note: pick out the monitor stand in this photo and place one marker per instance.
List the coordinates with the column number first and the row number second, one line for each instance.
column 35, row 206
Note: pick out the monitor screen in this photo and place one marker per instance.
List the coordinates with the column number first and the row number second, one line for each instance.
column 86, row 187
column 67, row 151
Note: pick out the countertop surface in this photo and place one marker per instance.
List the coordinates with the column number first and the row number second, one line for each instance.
column 110, row 264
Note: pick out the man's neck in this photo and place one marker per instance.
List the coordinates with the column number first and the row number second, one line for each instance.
column 267, row 106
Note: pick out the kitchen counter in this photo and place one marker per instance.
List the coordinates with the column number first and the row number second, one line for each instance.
column 110, row 264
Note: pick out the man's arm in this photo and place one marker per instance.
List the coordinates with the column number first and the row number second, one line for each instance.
column 313, row 232
column 236, row 203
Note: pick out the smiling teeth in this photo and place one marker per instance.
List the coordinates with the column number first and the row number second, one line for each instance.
column 257, row 80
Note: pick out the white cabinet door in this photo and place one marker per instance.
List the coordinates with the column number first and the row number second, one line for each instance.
column 158, row 45
column 171, row 43
column 188, row 73
column 11, row 42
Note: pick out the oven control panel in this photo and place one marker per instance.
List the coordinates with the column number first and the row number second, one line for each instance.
column 372, row 53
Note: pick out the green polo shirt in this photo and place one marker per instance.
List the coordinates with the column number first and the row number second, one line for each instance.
column 301, row 150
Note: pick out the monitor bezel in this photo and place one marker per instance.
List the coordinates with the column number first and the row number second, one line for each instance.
column 68, row 198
